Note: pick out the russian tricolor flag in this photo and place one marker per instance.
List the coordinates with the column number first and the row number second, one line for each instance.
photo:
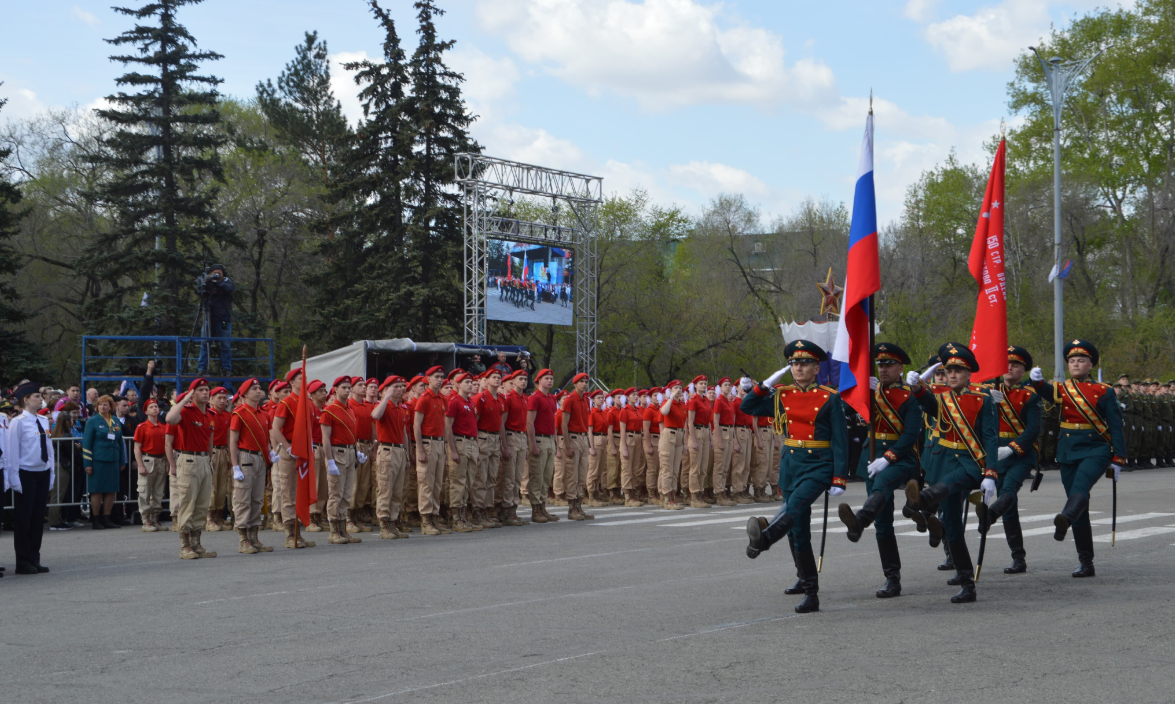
column 862, row 280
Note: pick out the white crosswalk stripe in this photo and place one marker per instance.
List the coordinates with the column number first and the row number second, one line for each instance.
column 1136, row 533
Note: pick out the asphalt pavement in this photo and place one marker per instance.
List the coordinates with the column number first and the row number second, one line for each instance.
column 639, row 605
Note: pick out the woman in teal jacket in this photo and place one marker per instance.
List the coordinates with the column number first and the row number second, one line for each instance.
column 103, row 456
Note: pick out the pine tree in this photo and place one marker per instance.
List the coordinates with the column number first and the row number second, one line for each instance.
column 434, row 228
column 165, row 173
column 303, row 109
column 18, row 357
column 365, row 289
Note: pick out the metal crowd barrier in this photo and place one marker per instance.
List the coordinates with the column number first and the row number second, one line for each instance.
column 69, row 486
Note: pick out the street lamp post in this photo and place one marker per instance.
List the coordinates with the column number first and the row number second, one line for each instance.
column 1059, row 74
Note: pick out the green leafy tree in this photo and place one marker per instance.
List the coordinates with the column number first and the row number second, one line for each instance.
column 18, row 357
column 163, row 187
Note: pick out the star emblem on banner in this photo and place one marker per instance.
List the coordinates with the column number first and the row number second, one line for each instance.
column 829, row 295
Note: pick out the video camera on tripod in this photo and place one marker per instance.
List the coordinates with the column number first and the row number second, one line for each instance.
column 212, row 274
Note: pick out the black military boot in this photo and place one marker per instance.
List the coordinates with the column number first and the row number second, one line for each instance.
column 949, row 563
column 928, row 497
column 763, row 534
column 1074, row 507
column 998, row 508
column 891, row 566
column 798, row 587
column 966, row 573
column 934, row 528
column 811, row 581
column 1016, row 542
column 1083, row 539
column 859, row 521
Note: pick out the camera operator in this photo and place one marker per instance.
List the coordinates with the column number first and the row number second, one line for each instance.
column 216, row 290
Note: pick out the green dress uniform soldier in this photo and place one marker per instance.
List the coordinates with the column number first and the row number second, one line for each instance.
column 1091, row 443
column 1128, row 403
column 813, row 459
column 896, row 433
column 968, row 443
column 103, row 457
column 1165, row 420
column 1147, row 426
column 1018, row 406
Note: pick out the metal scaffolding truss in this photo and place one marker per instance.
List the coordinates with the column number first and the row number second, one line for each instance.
column 488, row 188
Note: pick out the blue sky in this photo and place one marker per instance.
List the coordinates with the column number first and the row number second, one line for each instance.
column 684, row 98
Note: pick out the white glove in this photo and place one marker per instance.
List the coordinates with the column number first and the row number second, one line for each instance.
column 912, row 378
column 273, row 456
column 1117, row 471
column 929, row 373
column 362, row 457
column 988, row 486
column 770, row 381
column 237, row 473
column 747, row 383
column 623, row 401
column 332, row 468
column 1004, row 453
column 877, row 465
column 1036, row 374
column 873, row 383
column 996, row 395
column 836, row 491
column 660, row 399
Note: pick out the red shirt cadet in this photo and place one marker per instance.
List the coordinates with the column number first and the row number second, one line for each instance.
column 433, row 406
column 194, row 431
column 515, row 405
column 677, row 411
column 253, row 427
column 464, row 419
column 152, row 437
column 220, row 422
column 652, row 412
column 489, row 412
column 362, row 411
column 340, row 418
column 632, row 418
column 724, row 410
column 545, row 410
column 576, row 407
column 598, row 420
column 703, row 411
column 740, row 419
column 392, row 427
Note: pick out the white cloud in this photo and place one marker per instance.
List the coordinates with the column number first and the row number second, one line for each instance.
column 342, row 83
column 993, row 36
column 79, row 14
column 489, row 81
column 22, row 102
column 662, row 53
column 920, row 10
column 710, row 179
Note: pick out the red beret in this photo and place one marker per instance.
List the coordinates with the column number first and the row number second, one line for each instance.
column 630, row 391
column 415, row 380
column 371, row 381
column 490, row 372
column 579, row 377
column 455, row 372
column 356, row 380
column 655, row 390
column 277, row 385
column 315, row 386
column 340, row 380
column 244, row 387
column 700, row 377
column 723, row 380
column 672, row 384
column 274, row 383
column 292, row 373
column 196, row 383
column 542, row 373
column 616, row 392
column 434, row 370
column 218, row 390
column 390, row 380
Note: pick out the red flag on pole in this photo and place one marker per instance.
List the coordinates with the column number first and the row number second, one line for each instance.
column 303, row 451
column 989, row 336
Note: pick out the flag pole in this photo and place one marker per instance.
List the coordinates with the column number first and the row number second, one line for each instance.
column 872, row 362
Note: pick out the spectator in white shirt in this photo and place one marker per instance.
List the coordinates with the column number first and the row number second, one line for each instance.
column 28, row 471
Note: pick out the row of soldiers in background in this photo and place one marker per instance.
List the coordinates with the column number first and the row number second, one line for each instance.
column 1148, row 415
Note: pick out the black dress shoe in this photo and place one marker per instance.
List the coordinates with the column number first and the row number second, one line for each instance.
column 955, row 581
column 42, row 569
column 797, row 588
column 24, row 569
column 947, row 564
column 891, row 589
column 1085, row 570
column 965, row 595
column 810, row 603
column 1017, row 567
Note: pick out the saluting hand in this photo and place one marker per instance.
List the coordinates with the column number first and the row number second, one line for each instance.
column 1036, row 374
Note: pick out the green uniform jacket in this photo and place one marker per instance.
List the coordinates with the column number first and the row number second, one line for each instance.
column 987, row 432
column 822, row 464
column 1030, row 413
column 904, row 450
column 1076, row 445
column 96, row 445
